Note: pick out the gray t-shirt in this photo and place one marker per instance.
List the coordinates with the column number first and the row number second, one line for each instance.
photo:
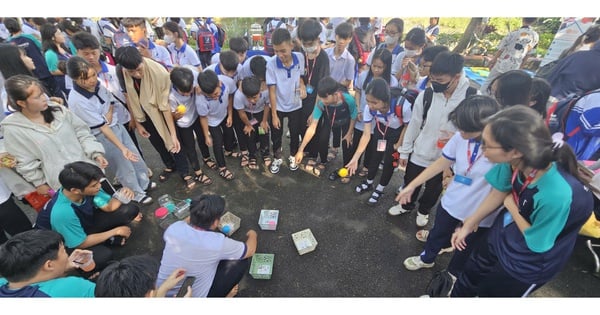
column 198, row 252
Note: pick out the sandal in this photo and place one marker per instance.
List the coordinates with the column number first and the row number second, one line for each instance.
column 190, row 181
column 232, row 154
column 363, row 172
column 375, row 197
column 203, row 178
column 252, row 164
column 332, row 154
column 210, row 163
column 363, row 186
column 422, row 235
column 245, row 160
column 165, row 174
column 334, row 175
column 225, row 173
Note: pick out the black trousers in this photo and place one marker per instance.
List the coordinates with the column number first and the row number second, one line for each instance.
column 188, row 143
column 294, row 125
column 12, row 219
column 433, row 189
column 229, row 273
column 176, row 161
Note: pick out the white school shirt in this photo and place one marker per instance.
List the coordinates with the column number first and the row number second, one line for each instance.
column 341, row 68
column 176, row 99
column 388, row 119
column 363, row 97
column 108, row 78
column 287, row 81
column 461, row 200
column 184, row 56
column 216, row 110
column 217, row 69
column 245, row 71
column 240, row 101
column 91, row 110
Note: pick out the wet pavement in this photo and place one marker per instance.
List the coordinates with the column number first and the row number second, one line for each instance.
column 360, row 247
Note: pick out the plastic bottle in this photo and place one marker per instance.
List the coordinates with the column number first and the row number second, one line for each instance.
column 167, row 202
column 164, row 217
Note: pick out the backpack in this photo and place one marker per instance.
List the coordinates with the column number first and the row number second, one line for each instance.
column 205, row 40
column 440, row 285
column 399, row 96
column 268, row 44
column 340, row 113
column 119, row 38
column 559, row 112
column 428, row 97
column 222, row 35
column 361, row 45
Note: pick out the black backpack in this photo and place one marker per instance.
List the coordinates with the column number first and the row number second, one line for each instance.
column 440, row 285
column 428, row 97
column 339, row 113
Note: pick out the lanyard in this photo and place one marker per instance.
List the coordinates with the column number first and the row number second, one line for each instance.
column 387, row 124
column 104, row 76
column 527, row 181
column 312, row 69
column 472, row 156
column 334, row 110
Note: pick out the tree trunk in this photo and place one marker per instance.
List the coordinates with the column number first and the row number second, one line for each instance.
column 463, row 43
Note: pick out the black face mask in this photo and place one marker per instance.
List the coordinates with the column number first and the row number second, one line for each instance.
column 439, row 87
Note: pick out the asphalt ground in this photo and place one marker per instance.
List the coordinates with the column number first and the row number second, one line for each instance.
column 360, row 247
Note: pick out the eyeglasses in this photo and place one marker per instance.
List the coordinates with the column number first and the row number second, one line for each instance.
column 391, row 33
column 485, row 147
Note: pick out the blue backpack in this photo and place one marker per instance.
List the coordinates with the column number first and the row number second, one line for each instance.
column 559, row 111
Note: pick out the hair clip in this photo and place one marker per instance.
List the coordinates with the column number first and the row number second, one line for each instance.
column 557, row 140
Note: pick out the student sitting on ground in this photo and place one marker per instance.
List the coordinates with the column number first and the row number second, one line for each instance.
column 33, row 264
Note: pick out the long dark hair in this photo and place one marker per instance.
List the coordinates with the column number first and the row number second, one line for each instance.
column 16, row 89
column 47, row 32
column 10, row 61
column 386, row 57
column 521, row 128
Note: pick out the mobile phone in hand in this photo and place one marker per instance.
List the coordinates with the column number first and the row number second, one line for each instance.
column 107, row 186
column 187, row 282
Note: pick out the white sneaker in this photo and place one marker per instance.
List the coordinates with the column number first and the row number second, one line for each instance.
column 397, row 210
column 422, row 219
column 415, row 263
column 274, row 168
column 292, row 163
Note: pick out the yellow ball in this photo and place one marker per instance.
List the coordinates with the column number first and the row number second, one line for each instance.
column 343, row 172
column 181, row 109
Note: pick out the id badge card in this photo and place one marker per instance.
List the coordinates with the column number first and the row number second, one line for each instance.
column 381, row 144
column 309, row 89
column 253, row 121
column 463, row 180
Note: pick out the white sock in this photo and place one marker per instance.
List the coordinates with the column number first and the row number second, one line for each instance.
column 380, row 187
column 370, row 181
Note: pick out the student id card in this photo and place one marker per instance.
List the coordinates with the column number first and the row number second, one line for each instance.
column 381, row 144
column 463, row 179
column 309, row 89
column 253, row 121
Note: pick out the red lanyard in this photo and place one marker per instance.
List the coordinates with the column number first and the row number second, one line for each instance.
column 312, row 69
column 472, row 157
column 105, row 79
column 527, row 181
column 387, row 124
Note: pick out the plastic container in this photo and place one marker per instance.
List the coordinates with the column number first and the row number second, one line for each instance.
column 167, row 202
column 229, row 223
column 164, row 217
column 268, row 219
column 182, row 210
column 262, row 266
column 305, row 241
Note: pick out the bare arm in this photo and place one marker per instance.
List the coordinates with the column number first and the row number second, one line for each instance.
column 251, row 243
